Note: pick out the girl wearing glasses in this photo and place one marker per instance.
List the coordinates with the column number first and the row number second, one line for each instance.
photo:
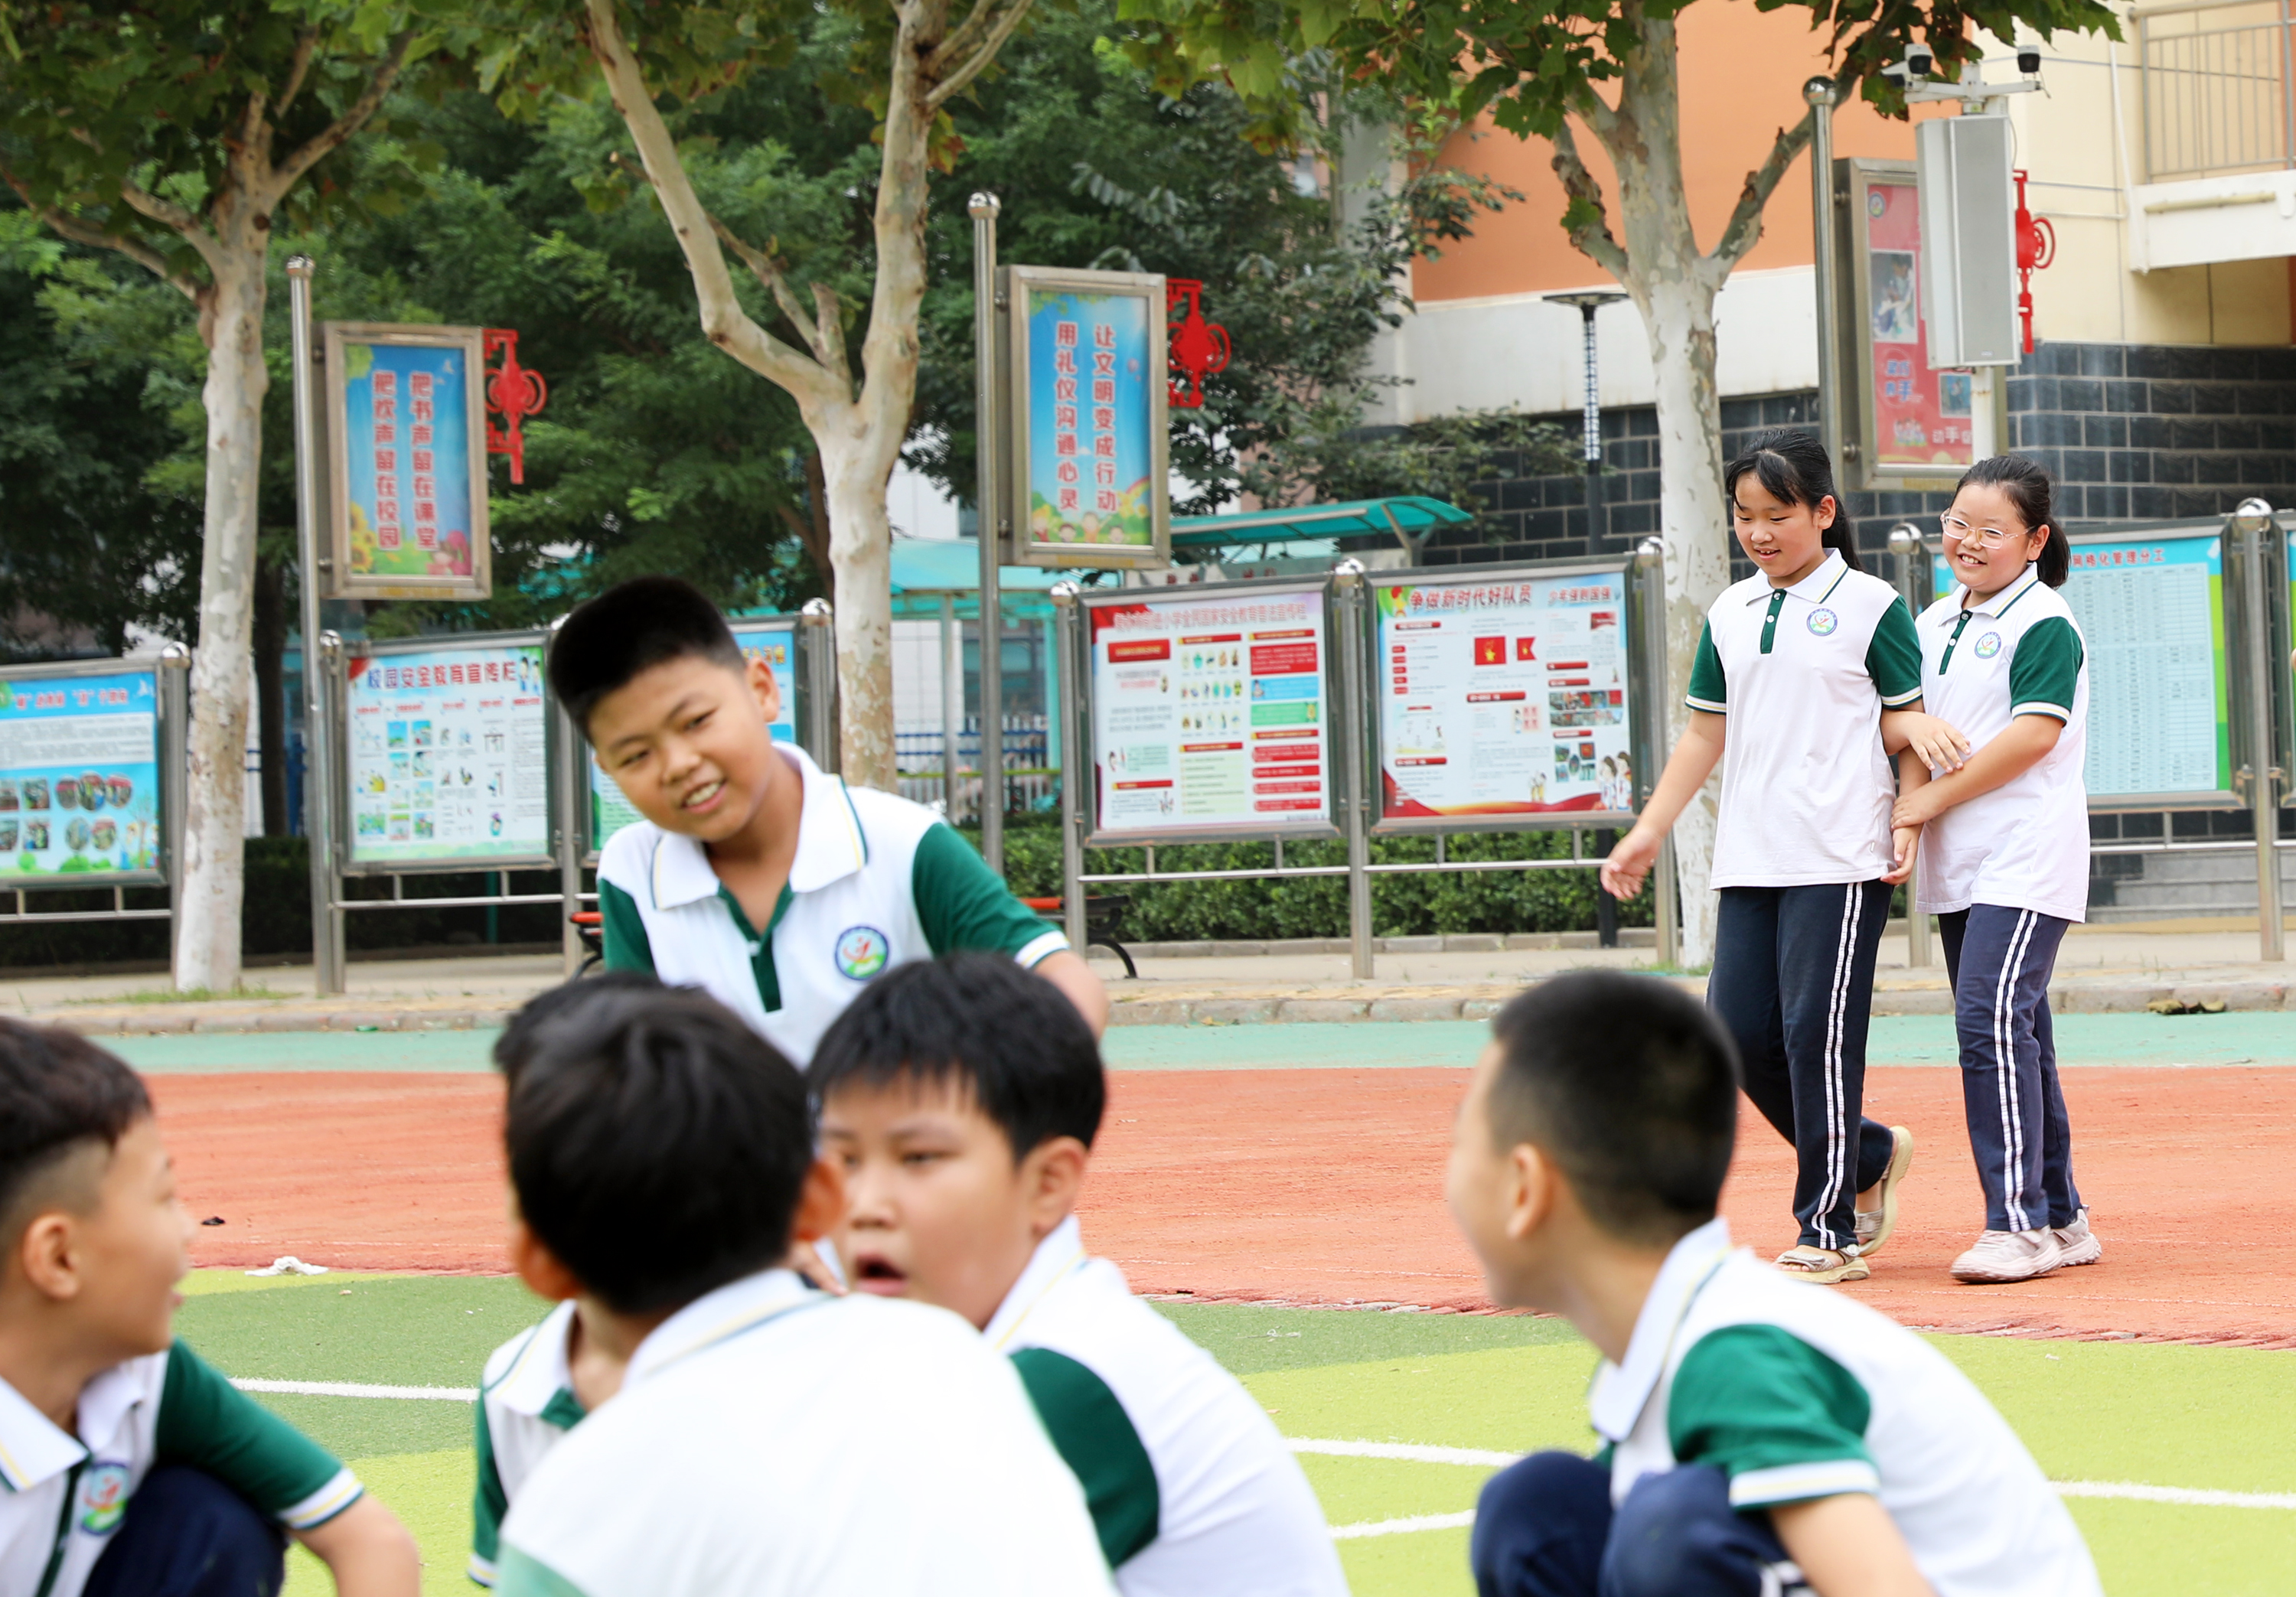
column 1794, row 670
column 2005, row 866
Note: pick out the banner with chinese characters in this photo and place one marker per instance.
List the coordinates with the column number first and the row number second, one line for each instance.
column 1921, row 417
column 776, row 646
column 447, row 754
column 1086, row 366
column 1211, row 713
column 407, row 422
column 80, row 777
column 1503, row 695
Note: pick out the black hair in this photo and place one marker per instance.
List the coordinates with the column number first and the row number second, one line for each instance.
column 2027, row 484
column 1792, row 465
column 632, row 628
column 659, row 1148
column 586, row 1000
column 1009, row 1034
column 1630, row 1085
column 59, row 1092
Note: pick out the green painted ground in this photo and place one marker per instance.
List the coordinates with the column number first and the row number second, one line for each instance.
column 2207, row 1418
column 2258, row 1039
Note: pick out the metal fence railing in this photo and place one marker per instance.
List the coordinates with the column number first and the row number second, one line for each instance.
column 922, row 760
column 2216, row 88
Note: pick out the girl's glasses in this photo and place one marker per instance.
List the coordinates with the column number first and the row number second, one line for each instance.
column 1961, row 532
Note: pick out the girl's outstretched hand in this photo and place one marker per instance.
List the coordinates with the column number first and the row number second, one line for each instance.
column 1940, row 743
column 1904, row 842
column 1629, row 863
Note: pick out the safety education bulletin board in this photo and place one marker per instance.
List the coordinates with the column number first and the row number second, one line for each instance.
column 610, row 812
column 1211, row 714
column 2151, row 611
column 79, row 777
column 448, row 756
column 1504, row 695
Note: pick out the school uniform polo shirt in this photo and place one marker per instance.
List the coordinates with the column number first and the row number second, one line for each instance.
column 1797, row 1392
column 62, row 1495
column 1192, row 1488
column 1804, row 673
column 2025, row 844
column 526, row 1404
column 877, row 882
column 774, row 1441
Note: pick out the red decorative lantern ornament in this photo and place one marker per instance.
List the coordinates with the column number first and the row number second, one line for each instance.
column 513, row 393
column 1196, row 347
column 2037, row 247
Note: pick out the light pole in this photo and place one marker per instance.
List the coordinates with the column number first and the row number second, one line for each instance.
column 1821, row 94
column 2252, row 519
column 989, row 526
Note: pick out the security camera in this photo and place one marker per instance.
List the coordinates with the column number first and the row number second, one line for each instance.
column 2028, row 59
column 1920, row 60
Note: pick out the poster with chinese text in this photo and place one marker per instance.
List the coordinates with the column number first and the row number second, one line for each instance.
column 447, row 754
column 408, row 460
column 1921, row 417
column 80, row 777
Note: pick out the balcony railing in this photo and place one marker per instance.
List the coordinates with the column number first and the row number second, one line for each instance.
column 2217, row 79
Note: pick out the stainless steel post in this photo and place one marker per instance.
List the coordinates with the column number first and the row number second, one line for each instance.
column 1913, row 552
column 1068, row 649
column 952, row 704
column 318, row 736
column 1649, row 558
column 174, row 751
column 818, row 654
column 1820, row 95
column 570, row 802
column 2254, row 519
column 330, row 954
column 1353, row 756
column 989, row 523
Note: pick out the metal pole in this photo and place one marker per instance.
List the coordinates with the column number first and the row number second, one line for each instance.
column 1069, row 651
column 330, row 954
column 952, row 704
column 175, row 751
column 1651, row 558
column 318, row 736
column 1591, row 425
column 1352, row 756
column 1906, row 541
column 817, row 651
column 1821, row 94
column 569, row 799
column 988, row 522
column 2254, row 519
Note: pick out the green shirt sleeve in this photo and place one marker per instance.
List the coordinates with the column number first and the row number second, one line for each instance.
column 627, row 947
column 2046, row 670
column 488, row 1504
column 962, row 903
column 212, row 1425
column 1709, row 690
column 1096, row 1439
column 1782, row 1420
column 1893, row 659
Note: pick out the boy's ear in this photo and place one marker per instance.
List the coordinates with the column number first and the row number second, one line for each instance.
column 45, row 1254
column 821, row 1203
column 765, row 689
column 1052, row 1176
column 1534, row 1188
column 545, row 1276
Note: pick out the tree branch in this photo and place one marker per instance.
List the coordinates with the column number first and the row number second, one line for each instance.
column 307, row 43
column 767, row 271
column 1592, row 235
column 1746, row 224
column 79, row 232
column 287, row 173
column 992, row 36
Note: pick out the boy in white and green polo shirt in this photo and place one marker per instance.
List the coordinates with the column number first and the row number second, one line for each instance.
column 1760, row 1435
column 754, row 874
column 962, row 1097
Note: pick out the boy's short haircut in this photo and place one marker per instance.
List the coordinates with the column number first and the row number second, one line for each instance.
column 584, row 1001
column 1630, row 1085
column 659, row 1148
column 629, row 628
column 59, row 1092
column 1007, row 1034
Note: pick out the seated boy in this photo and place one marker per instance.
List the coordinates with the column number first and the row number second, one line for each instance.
column 1761, row 1434
column 131, row 1469
column 755, row 875
column 961, row 1097
column 766, row 1438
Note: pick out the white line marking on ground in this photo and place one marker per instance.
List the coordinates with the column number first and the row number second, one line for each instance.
column 2186, row 1496
column 1392, row 1527
column 1408, row 1451
column 343, row 1388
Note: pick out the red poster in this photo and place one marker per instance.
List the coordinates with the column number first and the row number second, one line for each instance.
column 1921, row 417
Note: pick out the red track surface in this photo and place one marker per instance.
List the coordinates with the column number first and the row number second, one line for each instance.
column 1325, row 1187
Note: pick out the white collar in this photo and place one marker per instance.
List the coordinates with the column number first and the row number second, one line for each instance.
column 713, row 1317
column 542, row 1369
column 1813, row 589
column 1997, row 603
column 830, row 842
column 1059, row 1255
column 1621, row 1390
column 33, row 1449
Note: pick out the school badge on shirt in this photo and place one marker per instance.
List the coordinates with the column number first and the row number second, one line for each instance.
column 1822, row 623
column 861, row 951
column 103, row 1498
column 1989, row 645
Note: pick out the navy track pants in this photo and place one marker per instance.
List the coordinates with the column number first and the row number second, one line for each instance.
column 2000, row 961
column 1793, row 982
column 188, row 1534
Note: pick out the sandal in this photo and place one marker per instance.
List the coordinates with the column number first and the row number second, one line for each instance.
column 1822, row 1267
column 1876, row 1225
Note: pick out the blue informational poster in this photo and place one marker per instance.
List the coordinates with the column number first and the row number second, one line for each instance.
column 1091, row 411
column 80, row 777
column 776, row 645
column 407, row 453
column 448, row 755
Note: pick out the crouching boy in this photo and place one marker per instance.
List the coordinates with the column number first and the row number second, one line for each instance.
column 960, row 1097
column 130, row 1468
column 1761, row 1434
column 766, row 1438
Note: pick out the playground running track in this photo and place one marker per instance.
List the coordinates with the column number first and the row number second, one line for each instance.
column 1325, row 1187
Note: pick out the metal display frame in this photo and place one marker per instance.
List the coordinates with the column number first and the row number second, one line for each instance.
column 1638, row 742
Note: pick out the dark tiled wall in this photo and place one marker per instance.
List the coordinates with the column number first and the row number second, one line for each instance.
column 2132, row 433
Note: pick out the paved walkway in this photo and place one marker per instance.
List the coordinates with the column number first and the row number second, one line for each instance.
column 2105, row 970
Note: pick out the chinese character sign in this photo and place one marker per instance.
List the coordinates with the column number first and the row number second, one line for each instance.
column 1921, row 417
column 79, row 775
column 1089, row 454
column 447, row 754
column 410, row 493
column 776, row 646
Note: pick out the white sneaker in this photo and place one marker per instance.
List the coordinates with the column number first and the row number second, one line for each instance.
column 2077, row 1242
column 2010, row 1256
